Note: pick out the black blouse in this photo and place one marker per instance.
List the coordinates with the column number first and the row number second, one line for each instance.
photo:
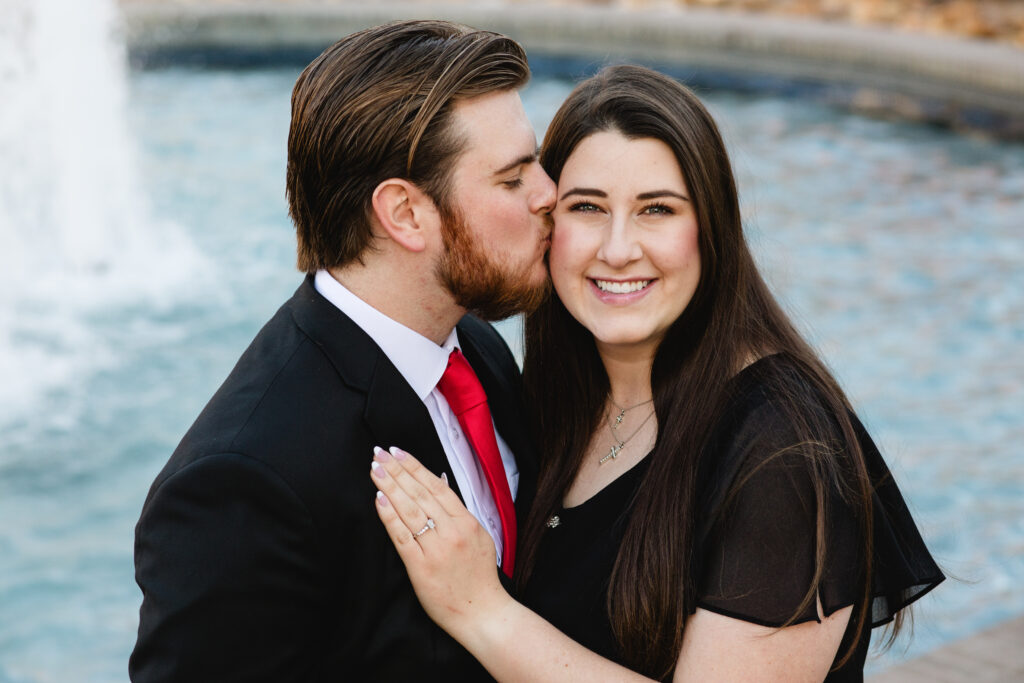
column 756, row 544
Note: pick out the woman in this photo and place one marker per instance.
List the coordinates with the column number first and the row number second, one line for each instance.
column 709, row 507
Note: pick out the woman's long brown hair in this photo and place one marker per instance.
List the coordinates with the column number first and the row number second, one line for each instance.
column 731, row 318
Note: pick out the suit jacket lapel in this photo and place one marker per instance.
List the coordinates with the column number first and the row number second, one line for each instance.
column 393, row 412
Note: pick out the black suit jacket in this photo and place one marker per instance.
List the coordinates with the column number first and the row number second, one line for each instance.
column 259, row 551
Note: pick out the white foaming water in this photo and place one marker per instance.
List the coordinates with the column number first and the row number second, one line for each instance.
column 75, row 234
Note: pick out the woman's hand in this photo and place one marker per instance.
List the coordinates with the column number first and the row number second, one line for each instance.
column 450, row 558
column 453, row 567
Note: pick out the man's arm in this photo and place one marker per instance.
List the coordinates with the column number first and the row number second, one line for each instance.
column 225, row 557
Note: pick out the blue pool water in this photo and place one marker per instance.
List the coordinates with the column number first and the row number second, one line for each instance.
column 898, row 248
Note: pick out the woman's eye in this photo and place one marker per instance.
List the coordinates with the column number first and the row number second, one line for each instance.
column 654, row 209
column 584, row 207
column 514, row 183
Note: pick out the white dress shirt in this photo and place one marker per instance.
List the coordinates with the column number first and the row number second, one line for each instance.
column 421, row 363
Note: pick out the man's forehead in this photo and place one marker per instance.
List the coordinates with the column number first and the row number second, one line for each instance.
column 497, row 134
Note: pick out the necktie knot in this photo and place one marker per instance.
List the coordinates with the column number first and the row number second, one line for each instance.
column 459, row 384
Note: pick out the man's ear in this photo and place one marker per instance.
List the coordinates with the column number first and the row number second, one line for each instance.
column 405, row 213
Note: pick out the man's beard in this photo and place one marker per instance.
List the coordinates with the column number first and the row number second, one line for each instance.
column 478, row 283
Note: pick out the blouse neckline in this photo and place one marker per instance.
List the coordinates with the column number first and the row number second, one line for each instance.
column 626, row 475
column 641, row 464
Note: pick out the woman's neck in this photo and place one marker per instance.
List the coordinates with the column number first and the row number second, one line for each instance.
column 629, row 374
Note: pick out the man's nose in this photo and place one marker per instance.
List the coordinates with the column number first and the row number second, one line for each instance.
column 544, row 197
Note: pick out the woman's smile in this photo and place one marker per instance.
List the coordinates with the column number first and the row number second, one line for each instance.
column 612, row 291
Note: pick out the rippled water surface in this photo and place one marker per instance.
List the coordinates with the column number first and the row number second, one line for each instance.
column 898, row 248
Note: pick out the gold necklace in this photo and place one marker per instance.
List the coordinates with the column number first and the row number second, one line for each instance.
column 621, row 443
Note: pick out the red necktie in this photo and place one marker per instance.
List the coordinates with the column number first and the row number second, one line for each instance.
column 461, row 388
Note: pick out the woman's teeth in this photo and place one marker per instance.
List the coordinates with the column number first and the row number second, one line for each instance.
column 621, row 287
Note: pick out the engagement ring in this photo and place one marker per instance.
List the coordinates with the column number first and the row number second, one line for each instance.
column 425, row 529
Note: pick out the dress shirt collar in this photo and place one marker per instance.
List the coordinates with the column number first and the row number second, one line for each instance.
column 418, row 359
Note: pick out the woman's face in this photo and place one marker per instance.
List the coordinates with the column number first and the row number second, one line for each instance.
column 624, row 257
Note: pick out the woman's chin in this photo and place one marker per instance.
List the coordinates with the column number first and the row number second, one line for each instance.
column 626, row 341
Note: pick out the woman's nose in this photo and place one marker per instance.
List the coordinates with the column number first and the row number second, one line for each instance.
column 620, row 246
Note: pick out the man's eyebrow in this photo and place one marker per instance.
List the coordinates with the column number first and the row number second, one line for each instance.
column 521, row 161
column 586, row 192
column 662, row 193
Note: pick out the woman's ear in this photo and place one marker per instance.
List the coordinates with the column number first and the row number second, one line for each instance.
column 405, row 213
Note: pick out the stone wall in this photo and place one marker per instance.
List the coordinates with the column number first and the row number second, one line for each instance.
column 963, row 83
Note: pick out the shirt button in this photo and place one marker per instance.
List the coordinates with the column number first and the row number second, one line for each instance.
column 490, row 520
column 455, row 434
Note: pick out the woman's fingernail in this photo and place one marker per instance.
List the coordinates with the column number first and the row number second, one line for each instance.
column 444, row 478
column 398, row 453
column 382, row 500
column 380, row 455
column 377, row 470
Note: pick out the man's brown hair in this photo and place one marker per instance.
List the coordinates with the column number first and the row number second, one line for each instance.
column 375, row 105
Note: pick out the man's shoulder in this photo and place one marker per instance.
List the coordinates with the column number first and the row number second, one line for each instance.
column 283, row 382
column 486, row 341
column 480, row 330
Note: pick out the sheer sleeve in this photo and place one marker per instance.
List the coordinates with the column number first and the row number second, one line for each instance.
column 903, row 570
column 760, row 537
column 758, row 558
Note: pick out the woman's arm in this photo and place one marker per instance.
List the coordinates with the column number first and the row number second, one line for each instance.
column 720, row 648
column 453, row 571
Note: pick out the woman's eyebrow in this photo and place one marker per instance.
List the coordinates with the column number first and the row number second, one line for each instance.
column 586, row 192
column 662, row 193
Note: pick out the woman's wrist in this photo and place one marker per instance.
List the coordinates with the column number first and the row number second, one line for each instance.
column 488, row 621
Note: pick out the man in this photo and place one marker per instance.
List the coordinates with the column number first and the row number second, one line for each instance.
column 416, row 194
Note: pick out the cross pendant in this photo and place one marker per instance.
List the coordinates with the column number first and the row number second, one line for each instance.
column 618, row 420
column 612, row 454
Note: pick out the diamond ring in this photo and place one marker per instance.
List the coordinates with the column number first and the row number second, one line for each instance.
column 429, row 525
